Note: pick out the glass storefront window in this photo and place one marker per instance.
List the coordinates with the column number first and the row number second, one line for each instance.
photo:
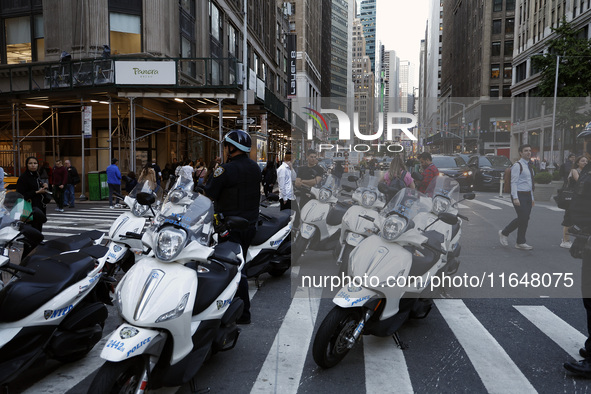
column 125, row 33
column 18, row 40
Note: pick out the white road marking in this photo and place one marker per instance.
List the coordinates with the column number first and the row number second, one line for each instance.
column 385, row 366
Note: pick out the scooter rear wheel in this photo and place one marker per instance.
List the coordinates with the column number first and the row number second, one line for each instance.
column 331, row 343
column 123, row 377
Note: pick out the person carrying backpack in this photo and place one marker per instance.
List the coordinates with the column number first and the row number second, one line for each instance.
column 397, row 175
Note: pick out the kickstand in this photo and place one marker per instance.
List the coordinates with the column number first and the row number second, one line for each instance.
column 195, row 390
column 401, row 345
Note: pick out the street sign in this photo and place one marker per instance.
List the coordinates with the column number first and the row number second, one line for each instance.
column 333, row 138
column 248, row 120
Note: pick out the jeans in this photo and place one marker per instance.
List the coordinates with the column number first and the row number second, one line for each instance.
column 58, row 196
column 113, row 188
column 69, row 196
column 520, row 223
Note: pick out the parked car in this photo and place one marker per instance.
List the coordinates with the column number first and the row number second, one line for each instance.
column 488, row 170
column 455, row 167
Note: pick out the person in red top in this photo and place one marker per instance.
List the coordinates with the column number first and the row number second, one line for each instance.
column 60, row 180
column 429, row 171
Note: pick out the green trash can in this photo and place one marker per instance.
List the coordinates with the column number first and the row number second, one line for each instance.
column 94, row 186
column 104, row 190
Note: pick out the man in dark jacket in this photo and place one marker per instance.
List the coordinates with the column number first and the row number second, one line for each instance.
column 73, row 180
column 60, row 180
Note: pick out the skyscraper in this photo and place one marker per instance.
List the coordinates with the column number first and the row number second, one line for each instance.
column 367, row 16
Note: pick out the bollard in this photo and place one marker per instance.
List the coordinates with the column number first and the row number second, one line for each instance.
column 501, row 184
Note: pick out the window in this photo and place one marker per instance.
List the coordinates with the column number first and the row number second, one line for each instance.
column 39, row 38
column 494, row 91
column 520, row 71
column 496, row 26
column 187, row 31
column 507, row 71
column 215, row 22
column 125, row 33
column 509, row 25
column 510, row 5
column 498, row 5
column 495, row 71
column 496, row 49
column 18, row 40
column 509, row 48
column 506, row 90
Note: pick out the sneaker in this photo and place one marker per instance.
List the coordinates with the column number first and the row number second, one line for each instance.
column 112, row 207
column 503, row 239
column 566, row 244
column 523, row 246
column 60, row 210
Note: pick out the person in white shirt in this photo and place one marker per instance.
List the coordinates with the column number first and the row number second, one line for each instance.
column 285, row 177
column 187, row 170
column 522, row 196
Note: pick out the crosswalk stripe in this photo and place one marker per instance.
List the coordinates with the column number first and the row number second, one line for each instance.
column 75, row 229
column 567, row 337
column 385, row 366
column 489, row 364
column 75, row 219
column 485, row 204
column 507, row 203
column 462, row 206
column 69, row 375
column 283, row 367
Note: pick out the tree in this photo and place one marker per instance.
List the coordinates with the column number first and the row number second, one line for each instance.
column 574, row 79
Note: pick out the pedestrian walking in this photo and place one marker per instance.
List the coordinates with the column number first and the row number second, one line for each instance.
column 285, row 177
column 269, row 177
column 580, row 216
column 522, row 196
column 399, row 174
column 157, row 171
column 235, row 190
column 338, row 171
column 33, row 189
column 187, row 170
column 571, row 184
column 200, row 173
column 73, row 180
column 567, row 166
column 430, row 171
column 148, row 174
column 130, row 182
column 60, row 180
column 113, row 180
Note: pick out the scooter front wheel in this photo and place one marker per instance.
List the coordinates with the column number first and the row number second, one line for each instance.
column 115, row 378
column 333, row 339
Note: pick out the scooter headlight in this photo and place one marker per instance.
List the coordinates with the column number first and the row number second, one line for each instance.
column 393, row 227
column 368, row 198
column 440, row 204
column 169, row 243
column 324, row 195
column 176, row 312
column 139, row 209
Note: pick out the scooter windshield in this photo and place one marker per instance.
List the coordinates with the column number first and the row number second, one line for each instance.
column 444, row 186
column 327, row 188
column 190, row 211
column 12, row 208
column 407, row 203
column 367, row 193
column 147, row 186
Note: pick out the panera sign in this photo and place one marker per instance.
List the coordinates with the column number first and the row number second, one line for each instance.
column 145, row 73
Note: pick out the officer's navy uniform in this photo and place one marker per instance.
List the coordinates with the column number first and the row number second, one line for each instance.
column 235, row 190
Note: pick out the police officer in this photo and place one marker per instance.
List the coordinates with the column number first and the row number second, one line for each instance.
column 235, row 190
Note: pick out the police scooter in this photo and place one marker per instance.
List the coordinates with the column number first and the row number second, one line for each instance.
column 50, row 308
column 270, row 249
column 125, row 232
column 321, row 220
column 177, row 306
column 398, row 260
column 358, row 221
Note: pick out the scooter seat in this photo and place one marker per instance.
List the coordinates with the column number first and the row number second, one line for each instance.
column 66, row 244
column 52, row 275
column 269, row 227
column 422, row 264
column 335, row 215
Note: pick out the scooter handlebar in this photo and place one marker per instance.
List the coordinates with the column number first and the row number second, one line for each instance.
column 463, row 217
column 19, row 268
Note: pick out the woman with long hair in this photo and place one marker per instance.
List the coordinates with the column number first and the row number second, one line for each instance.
column 397, row 169
column 148, row 174
column 33, row 189
column 571, row 182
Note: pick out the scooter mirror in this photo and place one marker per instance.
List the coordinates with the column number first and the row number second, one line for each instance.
column 146, row 198
column 417, row 176
column 348, row 188
column 382, row 187
column 448, row 218
column 236, row 223
column 352, row 178
column 469, row 196
column 273, row 197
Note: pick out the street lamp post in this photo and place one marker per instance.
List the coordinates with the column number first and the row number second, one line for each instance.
column 463, row 148
column 551, row 166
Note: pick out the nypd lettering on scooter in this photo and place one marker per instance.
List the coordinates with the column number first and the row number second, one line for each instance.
column 49, row 314
column 357, row 301
column 222, row 304
column 139, row 345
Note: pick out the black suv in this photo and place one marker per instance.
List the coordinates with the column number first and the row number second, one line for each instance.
column 488, row 170
column 455, row 167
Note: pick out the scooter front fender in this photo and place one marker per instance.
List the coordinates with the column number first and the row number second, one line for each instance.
column 116, row 251
column 349, row 297
column 145, row 341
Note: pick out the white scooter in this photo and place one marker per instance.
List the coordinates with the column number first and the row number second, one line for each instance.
column 398, row 262
column 178, row 307
column 358, row 221
column 51, row 307
column 321, row 220
column 126, row 231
